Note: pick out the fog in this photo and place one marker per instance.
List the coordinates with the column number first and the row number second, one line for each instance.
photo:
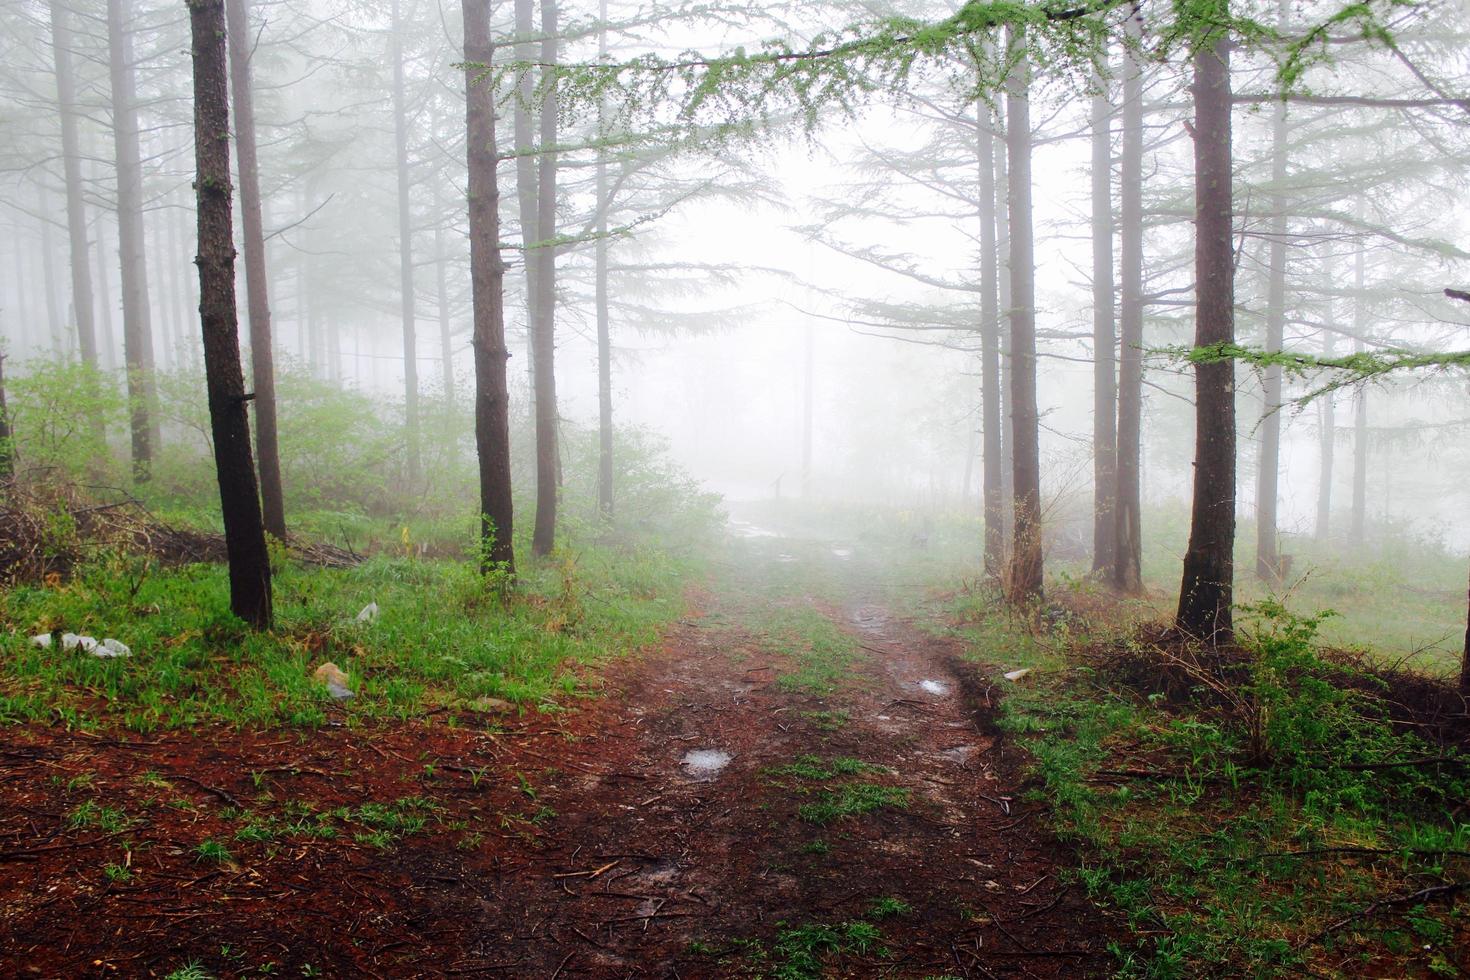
column 792, row 264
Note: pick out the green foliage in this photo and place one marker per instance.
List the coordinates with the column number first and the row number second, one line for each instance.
column 59, row 414
column 1226, row 857
column 851, row 800
column 800, row 951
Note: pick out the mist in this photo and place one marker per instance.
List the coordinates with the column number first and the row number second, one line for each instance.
column 843, row 333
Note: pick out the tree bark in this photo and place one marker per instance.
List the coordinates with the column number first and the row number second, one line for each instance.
column 1025, row 574
column 405, row 252
column 1327, row 435
column 1127, row 571
column 605, row 494
column 446, row 338
column 76, row 208
column 992, row 461
column 249, row 562
column 1268, row 468
column 1205, row 592
column 1360, row 401
column 7, row 445
column 1104, row 340
column 487, row 285
column 257, row 291
column 525, row 52
column 137, row 325
column 1003, row 288
column 544, row 337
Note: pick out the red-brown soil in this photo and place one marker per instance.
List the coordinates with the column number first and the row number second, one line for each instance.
column 570, row 844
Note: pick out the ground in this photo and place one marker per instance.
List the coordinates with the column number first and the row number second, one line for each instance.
column 870, row 820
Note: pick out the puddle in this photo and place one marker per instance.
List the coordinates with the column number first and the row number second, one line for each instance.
column 705, row 763
column 934, row 687
column 745, row 529
column 959, row 755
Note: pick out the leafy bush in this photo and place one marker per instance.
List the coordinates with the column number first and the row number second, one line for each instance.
column 60, row 413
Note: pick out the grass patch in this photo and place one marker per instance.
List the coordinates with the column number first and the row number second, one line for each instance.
column 851, row 800
column 442, row 639
column 1248, row 830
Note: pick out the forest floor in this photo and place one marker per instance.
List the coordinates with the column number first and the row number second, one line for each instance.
column 797, row 782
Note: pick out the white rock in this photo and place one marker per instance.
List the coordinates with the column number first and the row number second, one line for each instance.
column 369, row 613
column 42, row 640
column 1016, row 675
column 112, row 648
column 70, row 641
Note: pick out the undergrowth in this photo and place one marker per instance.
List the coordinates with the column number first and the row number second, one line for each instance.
column 1265, row 815
column 442, row 639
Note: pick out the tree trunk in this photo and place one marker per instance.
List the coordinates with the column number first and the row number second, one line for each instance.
column 1327, row 435
column 605, row 496
column 991, row 424
column 1025, row 576
column 7, row 445
column 544, row 338
column 137, row 325
column 1007, row 415
column 257, row 293
column 1465, row 663
column 1104, row 340
column 76, row 208
column 525, row 52
column 446, row 338
column 1127, row 572
column 106, row 341
column 1360, row 400
column 1205, row 592
column 250, row 571
column 1268, row 469
column 55, row 318
column 405, row 254
column 487, row 285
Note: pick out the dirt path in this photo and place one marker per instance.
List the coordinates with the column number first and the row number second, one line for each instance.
column 877, row 830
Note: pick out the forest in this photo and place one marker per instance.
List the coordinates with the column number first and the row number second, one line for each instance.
column 865, row 488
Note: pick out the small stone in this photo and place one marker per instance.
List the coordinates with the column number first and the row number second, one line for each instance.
column 1016, row 675
column 335, row 679
column 491, row 705
column 112, row 648
column 42, row 640
column 369, row 613
column 70, row 641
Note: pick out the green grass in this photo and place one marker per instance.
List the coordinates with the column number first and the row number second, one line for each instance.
column 442, row 639
column 815, row 768
column 1223, row 865
column 851, row 800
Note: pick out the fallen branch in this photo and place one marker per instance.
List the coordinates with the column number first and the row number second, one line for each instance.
column 1435, row 891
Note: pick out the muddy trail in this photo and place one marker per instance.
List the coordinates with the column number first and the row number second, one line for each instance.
column 796, row 783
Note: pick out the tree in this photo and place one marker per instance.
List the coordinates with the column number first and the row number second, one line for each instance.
column 76, row 208
column 487, row 283
column 1127, row 571
column 543, row 322
column 405, row 249
column 1104, row 339
column 137, row 321
column 1268, row 471
column 1024, row 577
column 257, row 293
column 992, row 419
column 1205, row 593
column 249, row 561
column 605, row 490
